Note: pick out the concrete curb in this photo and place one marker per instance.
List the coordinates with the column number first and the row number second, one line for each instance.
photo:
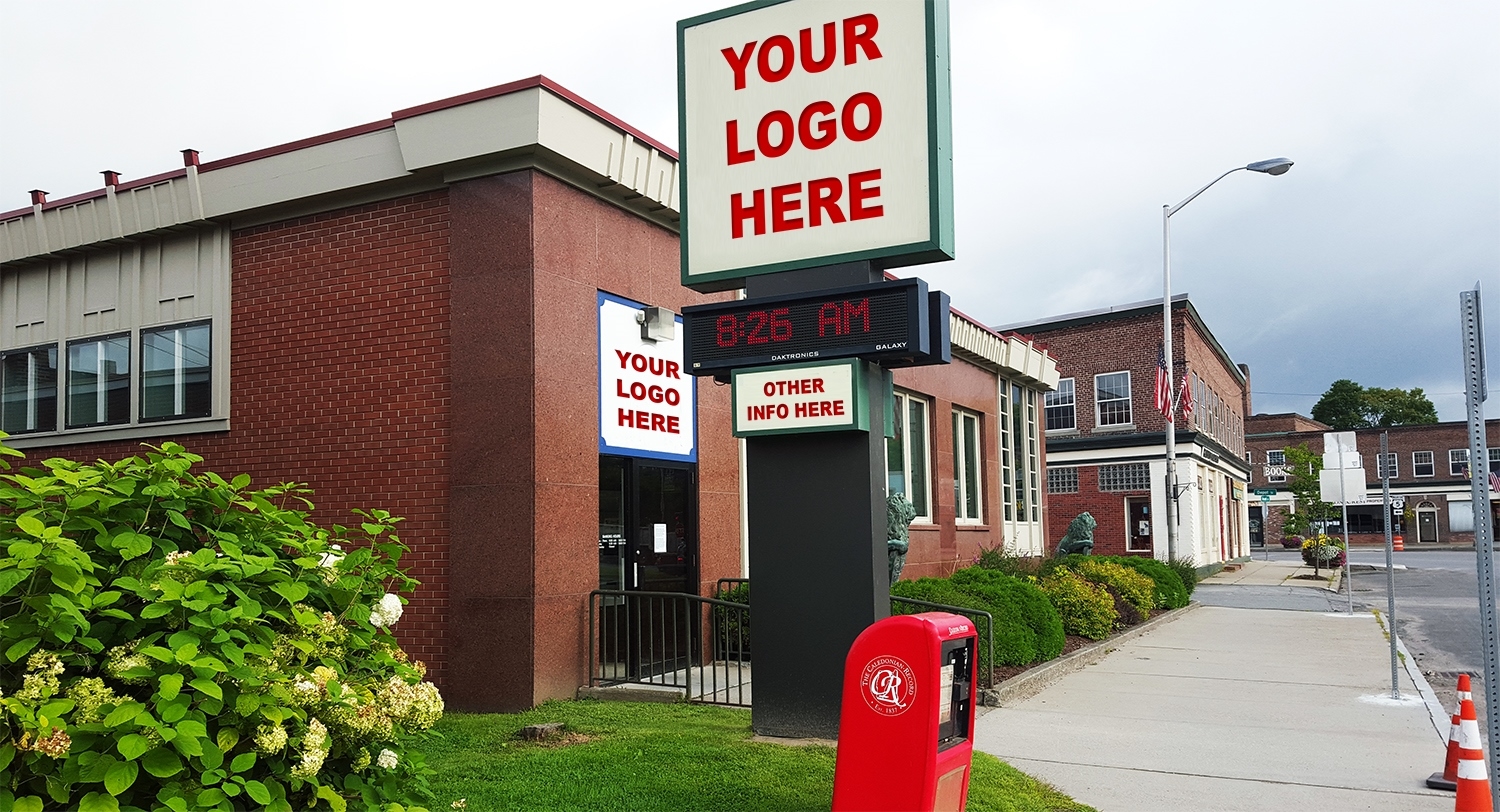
column 1441, row 721
column 1029, row 683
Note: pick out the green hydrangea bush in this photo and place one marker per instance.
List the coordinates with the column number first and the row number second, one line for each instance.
column 174, row 640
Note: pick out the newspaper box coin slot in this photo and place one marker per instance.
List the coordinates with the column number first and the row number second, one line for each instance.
column 905, row 727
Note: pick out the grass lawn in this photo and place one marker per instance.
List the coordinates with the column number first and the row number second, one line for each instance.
column 642, row 756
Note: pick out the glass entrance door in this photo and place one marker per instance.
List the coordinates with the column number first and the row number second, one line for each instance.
column 647, row 544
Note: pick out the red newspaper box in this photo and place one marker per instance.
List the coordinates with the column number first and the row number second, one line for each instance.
column 907, row 719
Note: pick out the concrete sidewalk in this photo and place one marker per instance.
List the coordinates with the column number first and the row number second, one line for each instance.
column 1231, row 709
column 1276, row 573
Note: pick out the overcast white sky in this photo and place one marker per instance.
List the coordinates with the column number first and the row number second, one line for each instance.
column 1073, row 123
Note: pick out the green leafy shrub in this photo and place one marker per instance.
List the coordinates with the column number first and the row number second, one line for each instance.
column 173, row 640
column 1011, row 642
column 1086, row 608
column 1187, row 572
column 1134, row 588
column 1170, row 593
column 1003, row 560
column 1018, row 601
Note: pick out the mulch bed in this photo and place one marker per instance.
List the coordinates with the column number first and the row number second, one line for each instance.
column 1071, row 643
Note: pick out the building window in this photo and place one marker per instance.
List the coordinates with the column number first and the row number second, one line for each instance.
column 1386, row 466
column 1062, row 480
column 99, row 381
column 1059, row 407
column 1421, row 463
column 1033, row 458
column 1494, row 460
column 967, row 460
column 1018, row 448
column 1458, row 462
column 907, row 454
column 1112, row 399
column 1135, row 476
column 175, row 372
column 28, row 390
column 1006, row 494
column 1276, row 466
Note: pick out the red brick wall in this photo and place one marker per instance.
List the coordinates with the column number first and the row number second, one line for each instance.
column 338, row 379
column 944, row 545
column 1107, row 508
column 1438, row 438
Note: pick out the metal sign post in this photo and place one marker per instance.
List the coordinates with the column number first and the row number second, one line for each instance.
column 1265, row 521
column 1390, row 563
column 1484, row 533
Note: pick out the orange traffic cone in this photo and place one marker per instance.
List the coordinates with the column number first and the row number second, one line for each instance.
column 1448, row 778
column 1473, row 775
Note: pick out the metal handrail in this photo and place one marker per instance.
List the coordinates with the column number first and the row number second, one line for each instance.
column 650, row 642
column 987, row 677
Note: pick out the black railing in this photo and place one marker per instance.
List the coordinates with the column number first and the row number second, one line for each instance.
column 984, row 626
column 671, row 639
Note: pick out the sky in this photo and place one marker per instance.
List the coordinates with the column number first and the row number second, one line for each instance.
column 1074, row 122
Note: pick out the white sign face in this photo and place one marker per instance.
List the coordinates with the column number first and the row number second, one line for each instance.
column 647, row 404
column 821, row 397
column 814, row 131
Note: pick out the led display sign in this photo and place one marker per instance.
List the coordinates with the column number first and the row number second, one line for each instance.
column 885, row 320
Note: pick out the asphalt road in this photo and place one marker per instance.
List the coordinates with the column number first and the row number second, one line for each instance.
column 1437, row 610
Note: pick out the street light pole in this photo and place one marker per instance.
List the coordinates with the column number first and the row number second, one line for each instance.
column 1273, row 166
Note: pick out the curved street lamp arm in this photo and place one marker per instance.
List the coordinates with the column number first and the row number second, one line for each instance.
column 1173, row 210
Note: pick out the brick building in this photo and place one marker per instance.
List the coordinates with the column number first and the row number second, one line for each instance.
column 422, row 314
column 1106, row 441
column 1428, row 468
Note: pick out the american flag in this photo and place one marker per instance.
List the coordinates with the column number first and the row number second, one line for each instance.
column 1163, row 385
column 1185, row 399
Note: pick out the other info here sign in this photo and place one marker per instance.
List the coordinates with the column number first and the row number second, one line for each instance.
column 799, row 398
column 647, row 405
column 814, row 132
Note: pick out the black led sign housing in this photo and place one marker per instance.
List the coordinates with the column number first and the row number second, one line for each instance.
column 881, row 321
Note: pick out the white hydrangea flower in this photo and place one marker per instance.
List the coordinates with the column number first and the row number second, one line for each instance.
column 332, row 558
column 387, row 612
column 386, row 760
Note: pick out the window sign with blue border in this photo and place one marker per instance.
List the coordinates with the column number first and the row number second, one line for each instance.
column 813, row 132
column 648, row 406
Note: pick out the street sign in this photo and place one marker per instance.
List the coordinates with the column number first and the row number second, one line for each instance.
column 878, row 321
column 1265, row 493
column 813, row 132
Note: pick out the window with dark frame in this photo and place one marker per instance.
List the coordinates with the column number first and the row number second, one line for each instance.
column 1387, row 466
column 1112, row 399
column 1422, row 464
column 1276, row 458
column 28, row 390
column 1458, row 462
column 176, row 372
column 98, row 380
column 1059, row 407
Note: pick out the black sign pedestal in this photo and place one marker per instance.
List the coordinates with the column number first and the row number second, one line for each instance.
column 818, row 560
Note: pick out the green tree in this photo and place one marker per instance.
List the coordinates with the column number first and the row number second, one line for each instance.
column 1303, row 467
column 1347, row 406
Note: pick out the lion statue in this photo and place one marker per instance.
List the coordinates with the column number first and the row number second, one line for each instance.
column 898, row 516
column 1080, row 536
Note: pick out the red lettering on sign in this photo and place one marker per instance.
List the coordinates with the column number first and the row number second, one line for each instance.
column 824, row 200
column 738, row 63
column 732, row 138
column 871, row 103
column 859, row 193
column 755, row 212
column 859, row 38
column 828, row 128
column 781, row 206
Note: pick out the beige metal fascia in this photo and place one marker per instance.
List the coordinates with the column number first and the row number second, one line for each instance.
column 1008, row 356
